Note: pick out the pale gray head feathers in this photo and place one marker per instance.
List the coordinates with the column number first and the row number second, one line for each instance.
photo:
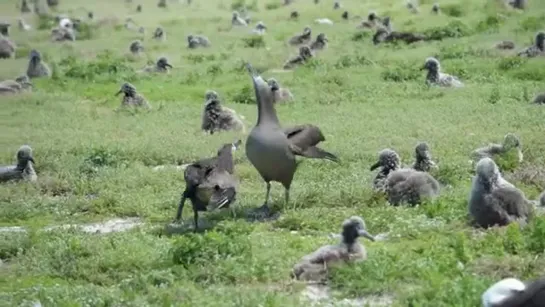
column 209, row 94
column 423, row 158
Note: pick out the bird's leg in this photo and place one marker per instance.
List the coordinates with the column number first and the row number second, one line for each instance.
column 264, row 209
column 180, row 208
column 196, row 218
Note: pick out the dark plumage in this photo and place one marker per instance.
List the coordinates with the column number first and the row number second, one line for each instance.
column 160, row 66
column 210, row 183
column 139, row 8
column 160, row 34
column 195, row 41
column 320, row 43
column 539, row 99
column 538, row 49
column 216, row 117
column 314, row 266
column 294, row 15
column 345, row 15
column 25, row 8
column 423, row 160
column 336, row 5
column 271, row 149
column 36, row 67
column 435, row 9
column 162, row 3
column 518, row 4
column 136, row 47
column 52, row 3
column 305, row 54
column 382, row 35
column 494, row 202
column 131, row 97
column 301, row 39
column 24, row 170
column 388, row 161
column 4, row 28
column 304, row 139
column 511, row 292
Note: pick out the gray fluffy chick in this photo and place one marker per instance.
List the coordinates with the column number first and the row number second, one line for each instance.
column 314, row 266
column 492, row 203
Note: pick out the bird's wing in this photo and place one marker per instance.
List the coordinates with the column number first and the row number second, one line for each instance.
column 197, row 172
column 512, row 201
column 304, row 136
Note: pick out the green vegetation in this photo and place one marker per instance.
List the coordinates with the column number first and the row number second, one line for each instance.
column 95, row 164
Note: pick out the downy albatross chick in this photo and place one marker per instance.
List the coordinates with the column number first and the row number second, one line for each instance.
column 36, row 67
column 304, row 54
column 260, row 28
column 539, row 98
column 301, row 39
column 18, row 85
column 505, row 45
column 315, row 265
column 136, row 47
column 435, row 9
column 236, row 20
column 423, row 161
column 195, row 41
column 161, row 65
column 388, row 161
column 4, row 28
column 410, row 186
column 320, row 43
column 281, row 94
column 24, row 7
column 510, row 141
column 371, row 21
column 436, row 77
column 271, row 149
column 336, row 5
column 131, row 97
column 162, row 3
column 537, row 49
column 294, row 15
column 24, row 168
column 493, row 203
column 7, row 48
column 386, row 36
column 160, row 34
column 60, row 34
column 210, row 183
column 511, row 292
column 216, row 117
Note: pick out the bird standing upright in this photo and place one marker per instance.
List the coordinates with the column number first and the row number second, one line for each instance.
column 271, row 149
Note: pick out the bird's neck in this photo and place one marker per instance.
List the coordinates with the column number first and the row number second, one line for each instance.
column 22, row 164
column 225, row 160
column 266, row 114
column 433, row 75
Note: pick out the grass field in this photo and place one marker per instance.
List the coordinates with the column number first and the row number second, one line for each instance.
column 95, row 164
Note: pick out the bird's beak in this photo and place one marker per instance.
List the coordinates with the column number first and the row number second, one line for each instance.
column 31, row 160
column 168, row 65
column 375, row 166
column 423, row 67
column 365, row 234
column 118, row 93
